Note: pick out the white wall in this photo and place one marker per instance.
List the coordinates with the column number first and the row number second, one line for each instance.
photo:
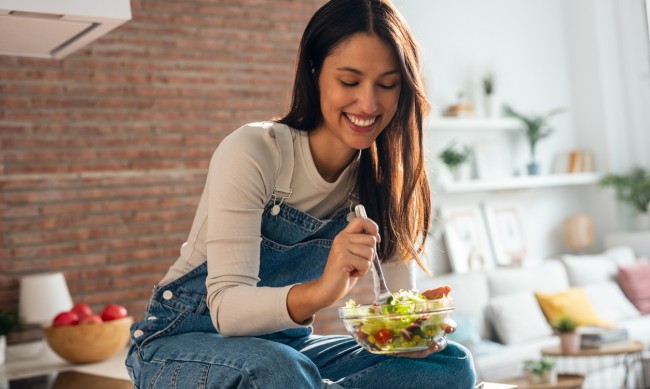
column 545, row 54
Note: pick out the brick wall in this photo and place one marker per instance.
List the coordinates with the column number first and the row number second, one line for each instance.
column 104, row 153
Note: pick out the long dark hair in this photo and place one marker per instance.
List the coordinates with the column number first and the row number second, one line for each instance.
column 392, row 181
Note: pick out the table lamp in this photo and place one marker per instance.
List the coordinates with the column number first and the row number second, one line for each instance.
column 578, row 232
column 41, row 298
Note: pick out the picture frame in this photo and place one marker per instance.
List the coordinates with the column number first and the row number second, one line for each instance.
column 466, row 238
column 506, row 232
column 493, row 158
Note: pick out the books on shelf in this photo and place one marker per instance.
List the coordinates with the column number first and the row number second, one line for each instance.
column 574, row 161
column 595, row 337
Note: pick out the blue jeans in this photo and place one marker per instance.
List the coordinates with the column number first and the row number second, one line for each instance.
column 176, row 346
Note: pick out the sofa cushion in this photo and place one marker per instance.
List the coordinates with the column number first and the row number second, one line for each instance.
column 635, row 281
column 549, row 276
column 572, row 302
column 622, row 255
column 517, row 318
column 589, row 269
column 609, row 302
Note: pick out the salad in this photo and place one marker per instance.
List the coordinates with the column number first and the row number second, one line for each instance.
column 410, row 321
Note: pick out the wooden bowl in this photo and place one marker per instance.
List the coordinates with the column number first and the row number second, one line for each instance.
column 85, row 343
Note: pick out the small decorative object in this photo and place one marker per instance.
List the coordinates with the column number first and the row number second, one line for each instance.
column 536, row 129
column 565, row 326
column 540, row 371
column 8, row 321
column 455, row 159
column 460, row 109
column 633, row 190
column 578, row 232
column 492, row 100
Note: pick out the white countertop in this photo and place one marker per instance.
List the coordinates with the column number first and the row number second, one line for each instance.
column 43, row 361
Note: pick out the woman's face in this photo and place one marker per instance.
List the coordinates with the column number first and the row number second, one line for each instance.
column 359, row 86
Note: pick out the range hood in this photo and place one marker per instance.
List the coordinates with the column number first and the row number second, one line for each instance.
column 56, row 28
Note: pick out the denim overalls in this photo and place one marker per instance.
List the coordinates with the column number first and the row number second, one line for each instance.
column 177, row 346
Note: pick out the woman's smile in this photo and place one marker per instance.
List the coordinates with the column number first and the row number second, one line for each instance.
column 361, row 124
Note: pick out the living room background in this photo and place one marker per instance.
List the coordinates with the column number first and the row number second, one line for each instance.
column 104, row 153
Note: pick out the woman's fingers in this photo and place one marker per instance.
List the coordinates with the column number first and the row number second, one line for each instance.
column 362, row 225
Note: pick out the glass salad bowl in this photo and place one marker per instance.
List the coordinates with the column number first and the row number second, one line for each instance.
column 406, row 323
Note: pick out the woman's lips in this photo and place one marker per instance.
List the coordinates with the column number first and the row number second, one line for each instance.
column 359, row 128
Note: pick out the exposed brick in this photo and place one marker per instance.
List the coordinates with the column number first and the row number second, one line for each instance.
column 104, row 153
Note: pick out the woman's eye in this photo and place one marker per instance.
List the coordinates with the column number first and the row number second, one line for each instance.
column 391, row 86
column 349, row 84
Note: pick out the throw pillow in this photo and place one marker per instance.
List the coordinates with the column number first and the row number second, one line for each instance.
column 609, row 302
column 466, row 331
column 572, row 302
column 517, row 318
column 589, row 269
column 635, row 282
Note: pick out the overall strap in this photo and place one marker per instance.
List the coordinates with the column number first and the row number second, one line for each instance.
column 282, row 189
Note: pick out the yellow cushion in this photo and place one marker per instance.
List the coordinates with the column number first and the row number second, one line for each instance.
column 572, row 302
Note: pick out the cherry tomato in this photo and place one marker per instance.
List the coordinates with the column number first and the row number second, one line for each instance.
column 67, row 318
column 91, row 319
column 383, row 336
column 113, row 312
column 82, row 310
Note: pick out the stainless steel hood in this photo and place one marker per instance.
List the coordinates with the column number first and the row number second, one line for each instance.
column 56, row 28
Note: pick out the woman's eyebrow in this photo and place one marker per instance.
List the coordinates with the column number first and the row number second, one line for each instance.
column 359, row 72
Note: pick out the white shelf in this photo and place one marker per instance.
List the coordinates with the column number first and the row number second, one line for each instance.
column 474, row 124
column 522, row 182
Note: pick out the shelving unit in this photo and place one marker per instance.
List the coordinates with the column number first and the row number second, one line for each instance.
column 474, row 124
column 519, row 183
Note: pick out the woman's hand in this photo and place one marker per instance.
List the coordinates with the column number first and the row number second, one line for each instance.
column 350, row 258
column 435, row 347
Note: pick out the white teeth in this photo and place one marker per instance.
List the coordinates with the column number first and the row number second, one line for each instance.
column 359, row 122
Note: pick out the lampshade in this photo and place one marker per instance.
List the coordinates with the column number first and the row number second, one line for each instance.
column 578, row 232
column 43, row 296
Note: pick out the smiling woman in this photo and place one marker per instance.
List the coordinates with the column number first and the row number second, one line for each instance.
column 272, row 241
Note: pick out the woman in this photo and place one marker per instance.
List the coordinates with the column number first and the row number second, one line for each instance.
column 272, row 243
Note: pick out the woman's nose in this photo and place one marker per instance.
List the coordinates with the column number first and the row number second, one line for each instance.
column 367, row 100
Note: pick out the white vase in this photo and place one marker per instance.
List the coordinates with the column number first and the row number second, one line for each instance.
column 492, row 106
column 3, row 348
column 461, row 173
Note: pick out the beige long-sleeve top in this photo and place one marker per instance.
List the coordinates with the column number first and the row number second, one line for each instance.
column 227, row 228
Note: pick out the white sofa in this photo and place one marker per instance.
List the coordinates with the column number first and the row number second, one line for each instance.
column 501, row 322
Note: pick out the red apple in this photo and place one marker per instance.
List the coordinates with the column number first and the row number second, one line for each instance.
column 67, row 318
column 91, row 319
column 113, row 311
column 82, row 310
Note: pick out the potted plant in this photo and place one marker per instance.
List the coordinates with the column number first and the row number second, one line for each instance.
column 454, row 158
column 492, row 101
column 8, row 321
column 536, row 128
column 565, row 327
column 633, row 190
column 540, row 371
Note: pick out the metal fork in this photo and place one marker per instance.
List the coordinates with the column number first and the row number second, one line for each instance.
column 381, row 290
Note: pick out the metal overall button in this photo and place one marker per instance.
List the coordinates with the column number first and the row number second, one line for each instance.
column 168, row 295
column 138, row 333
